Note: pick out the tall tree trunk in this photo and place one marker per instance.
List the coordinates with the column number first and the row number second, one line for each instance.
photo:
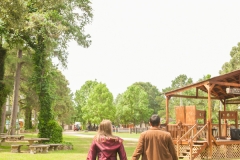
column 3, row 118
column 15, row 108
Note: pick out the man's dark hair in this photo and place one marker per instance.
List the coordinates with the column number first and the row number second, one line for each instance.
column 155, row 120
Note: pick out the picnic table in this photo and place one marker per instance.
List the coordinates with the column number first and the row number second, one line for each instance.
column 11, row 137
column 32, row 140
column 1, row 134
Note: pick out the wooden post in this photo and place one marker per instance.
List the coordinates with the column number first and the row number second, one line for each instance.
column 167, row 111
column 209, row 88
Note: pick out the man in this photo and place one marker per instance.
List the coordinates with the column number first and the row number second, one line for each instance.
column 155, row 144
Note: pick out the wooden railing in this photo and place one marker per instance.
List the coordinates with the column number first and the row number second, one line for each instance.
column 177, row 130
column 192, row 134
column 185, row 135
column 193, row 138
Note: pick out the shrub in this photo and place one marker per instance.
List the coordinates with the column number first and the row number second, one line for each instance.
column 55, row 131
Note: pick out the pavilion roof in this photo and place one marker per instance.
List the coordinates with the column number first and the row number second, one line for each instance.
column 219, row 84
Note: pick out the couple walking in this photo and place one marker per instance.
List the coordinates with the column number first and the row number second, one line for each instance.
column 153, row 144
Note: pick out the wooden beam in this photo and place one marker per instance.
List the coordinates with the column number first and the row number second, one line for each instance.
column 199, row 97
column 228, row 75
column 186, row 88
column 223, row 101
column 233, row 101
column 226, row 84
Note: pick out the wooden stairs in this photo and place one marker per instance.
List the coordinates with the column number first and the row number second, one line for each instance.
column 197, row 148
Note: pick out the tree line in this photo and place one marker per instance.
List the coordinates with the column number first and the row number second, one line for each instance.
column 94, row 102
column 36, row 31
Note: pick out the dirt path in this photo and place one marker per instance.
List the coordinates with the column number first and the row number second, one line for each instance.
column 74, row 133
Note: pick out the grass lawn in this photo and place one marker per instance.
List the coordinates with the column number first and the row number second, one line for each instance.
column 80, row 148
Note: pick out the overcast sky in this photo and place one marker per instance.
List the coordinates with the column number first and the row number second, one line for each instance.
column 154, row 41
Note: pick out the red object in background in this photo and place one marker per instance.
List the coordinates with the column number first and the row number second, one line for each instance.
column 76, row 128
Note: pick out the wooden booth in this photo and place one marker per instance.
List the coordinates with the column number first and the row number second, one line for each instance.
column 205, row 140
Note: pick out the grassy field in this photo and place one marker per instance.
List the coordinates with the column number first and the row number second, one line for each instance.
column 80, row 148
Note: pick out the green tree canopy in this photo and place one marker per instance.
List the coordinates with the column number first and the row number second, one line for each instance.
column 234, row 63
column 81, row 97
column 99, row 105
column 133, row 106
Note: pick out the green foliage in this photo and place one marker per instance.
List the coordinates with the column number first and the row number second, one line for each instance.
column 55, row 131
column 28, row 120
column 133, row 106
column 99, row 105
column 63, row 108
column 43, row 88
column 154, row 96
column 3, row 89
column 44, row 28
column 81, row 98
column 234, row 63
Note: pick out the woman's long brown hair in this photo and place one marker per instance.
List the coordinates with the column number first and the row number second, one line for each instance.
column 104, row 129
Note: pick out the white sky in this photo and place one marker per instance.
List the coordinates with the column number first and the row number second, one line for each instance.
column 154, row 41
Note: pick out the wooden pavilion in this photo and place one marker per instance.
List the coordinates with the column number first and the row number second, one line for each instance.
column 207, row 140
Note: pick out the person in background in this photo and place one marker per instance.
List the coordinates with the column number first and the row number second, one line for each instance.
column 105, row 146
column 155, row 144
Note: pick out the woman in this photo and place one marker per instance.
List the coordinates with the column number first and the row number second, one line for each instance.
column 105, row 146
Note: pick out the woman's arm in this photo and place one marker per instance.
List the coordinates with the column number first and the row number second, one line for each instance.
column 92, row 153
column 122, row 153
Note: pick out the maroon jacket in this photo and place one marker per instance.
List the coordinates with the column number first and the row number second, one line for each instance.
column 107, row 149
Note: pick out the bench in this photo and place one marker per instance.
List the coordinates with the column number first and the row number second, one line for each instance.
column 12, row 137
column 53, row 147
column 38, row 148
column 3, row 139
column 2, row 134
column 16, row 148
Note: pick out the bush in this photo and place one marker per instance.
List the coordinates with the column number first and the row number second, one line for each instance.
column 55, row 132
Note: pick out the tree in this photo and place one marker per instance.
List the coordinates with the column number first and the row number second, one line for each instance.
column 81, row 98
column 117, row 117
column 133, row 107
column 234, row 63
column 99, row 105
column 10, row 24
column 50, row 26
column 3, row 91
column 153, row 95
column 46, row 27
column 29, row 102
column 63, row 105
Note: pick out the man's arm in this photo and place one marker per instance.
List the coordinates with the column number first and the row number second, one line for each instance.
column 172, row 149
column 139, row 148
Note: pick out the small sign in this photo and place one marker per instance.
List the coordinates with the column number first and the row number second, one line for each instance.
column 233, row 90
